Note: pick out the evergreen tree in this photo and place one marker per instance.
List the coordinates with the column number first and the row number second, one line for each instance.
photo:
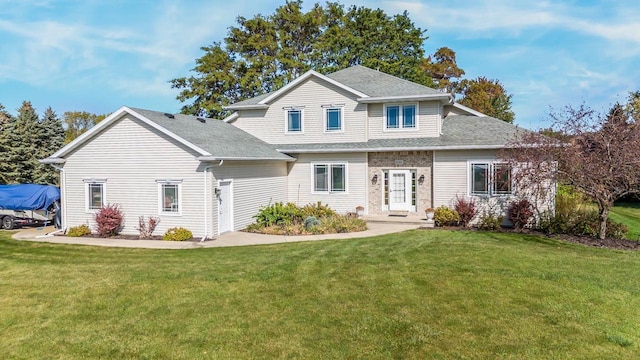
column 23, row 133
column 52, row 138
column 5, row 146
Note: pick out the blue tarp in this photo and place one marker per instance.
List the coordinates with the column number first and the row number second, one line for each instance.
column 28, row 196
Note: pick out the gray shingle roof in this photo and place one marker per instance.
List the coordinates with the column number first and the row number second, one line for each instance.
column 221, row 140
column 458, row 132
column 368, row 81
column 378, row 84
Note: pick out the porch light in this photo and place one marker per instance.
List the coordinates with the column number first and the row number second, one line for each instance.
column 374, row 179
column 421, row 179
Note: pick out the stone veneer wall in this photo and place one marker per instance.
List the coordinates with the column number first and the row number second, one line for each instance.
column 420, row 161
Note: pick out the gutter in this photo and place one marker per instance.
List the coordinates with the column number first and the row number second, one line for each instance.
column 63, row 205
column 406, row 148
column 444, row 97
column 248, row 158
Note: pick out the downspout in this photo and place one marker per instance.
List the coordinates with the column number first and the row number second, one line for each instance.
column 207, row 200
column 63, row 205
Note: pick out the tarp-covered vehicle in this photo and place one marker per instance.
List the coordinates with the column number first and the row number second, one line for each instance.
column 29, row 204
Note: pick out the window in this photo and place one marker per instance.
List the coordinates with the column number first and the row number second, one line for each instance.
column 329, row 178
column 170, row 197
column 333, row 119
column 400, row 117
column 95, row 195
column 294, row 120
column 490, row 179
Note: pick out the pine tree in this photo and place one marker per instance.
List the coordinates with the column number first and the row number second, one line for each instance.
column 5, row 147
column 51, row 139
column 23, row 135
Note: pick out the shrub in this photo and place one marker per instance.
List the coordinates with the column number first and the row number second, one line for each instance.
column 78, row 231
column 444, row 216
column 466, row 209
column 520, row 213
column 146, row 228
column 177, row 234
column 340, row 224
column 490, row 221
column 109, row 220
column 310, row 222
column 589, row 224
column 278, row 214
column 317, row 210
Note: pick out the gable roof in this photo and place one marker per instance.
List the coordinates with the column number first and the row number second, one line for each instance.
column 210, row 139
column 459, row 132
column 367, row 84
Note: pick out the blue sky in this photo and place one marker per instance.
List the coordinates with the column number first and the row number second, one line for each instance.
column 97, row 55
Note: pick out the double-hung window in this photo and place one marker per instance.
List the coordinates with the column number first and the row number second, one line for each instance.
column 400, row 117
column 333, row 119
column 294, row 120
column 329, row 178
column 490, row 179
column 95, row 198
column 169, row 197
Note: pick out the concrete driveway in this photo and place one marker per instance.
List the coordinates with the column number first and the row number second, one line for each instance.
column 237, row 238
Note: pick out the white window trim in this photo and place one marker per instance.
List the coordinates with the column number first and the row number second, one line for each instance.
column 87, row 202
column 400, row 118
column 161, row 197
column 329, row 164
column 491, row 164
column 325, row 118
column 286, row 120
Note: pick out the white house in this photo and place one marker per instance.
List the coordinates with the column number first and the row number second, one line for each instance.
column 356, row 137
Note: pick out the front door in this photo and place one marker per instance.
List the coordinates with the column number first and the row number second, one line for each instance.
column 399, row 190
column 225, row 207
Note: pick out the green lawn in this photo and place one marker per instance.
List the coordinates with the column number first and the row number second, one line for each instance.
column 628, row 214
column 433, row 294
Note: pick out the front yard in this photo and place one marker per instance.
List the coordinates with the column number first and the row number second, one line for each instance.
column 419, row 294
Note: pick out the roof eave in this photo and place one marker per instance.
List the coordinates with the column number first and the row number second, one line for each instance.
column 245, row 158
column 246, row 107
column 468, row 109
column 393, row 148
column 444, row 98
column 52, row 160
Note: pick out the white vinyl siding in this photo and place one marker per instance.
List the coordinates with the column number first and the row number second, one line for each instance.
column 132, row 156
column 313, row 95
column 427, row 121
column 300, row 181
column 255, row 184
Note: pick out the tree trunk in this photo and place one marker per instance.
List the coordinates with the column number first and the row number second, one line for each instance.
column 603, row 215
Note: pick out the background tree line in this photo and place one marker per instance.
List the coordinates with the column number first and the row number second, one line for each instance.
column 27, row 137
column 264, row 53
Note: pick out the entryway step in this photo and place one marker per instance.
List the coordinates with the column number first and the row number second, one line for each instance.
column 398, row 213
column 411, row 219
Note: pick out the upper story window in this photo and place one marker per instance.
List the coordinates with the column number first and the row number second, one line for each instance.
column 491, row 179
column 95, row 197
column 170, row 197
column 333, row 121
column 400, row 117
column 294, row 118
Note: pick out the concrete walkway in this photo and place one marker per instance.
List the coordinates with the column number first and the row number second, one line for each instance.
column 236, row 238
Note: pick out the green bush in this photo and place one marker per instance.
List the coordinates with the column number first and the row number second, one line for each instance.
column 310, row 222
column 490, row 221
column 317, row 210
column 589, row 224
column 177, row 234
column 278, row 214
column 444, row 216
column 78, row 231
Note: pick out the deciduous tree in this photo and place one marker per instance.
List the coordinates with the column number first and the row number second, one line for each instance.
column 77, row 123
column 487, row 96
column 442, row 68
column 599, row 155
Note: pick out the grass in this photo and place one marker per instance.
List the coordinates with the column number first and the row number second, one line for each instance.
column 434, row 294
column 628, row 214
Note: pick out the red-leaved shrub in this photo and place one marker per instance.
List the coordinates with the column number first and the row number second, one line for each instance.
column 466, row 209
column 146, row 228
column 109, row 220
column 520, row 213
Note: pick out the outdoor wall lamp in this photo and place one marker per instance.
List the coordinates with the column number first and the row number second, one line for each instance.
column 421, row 179
column 374, row 179
column 217, row 191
